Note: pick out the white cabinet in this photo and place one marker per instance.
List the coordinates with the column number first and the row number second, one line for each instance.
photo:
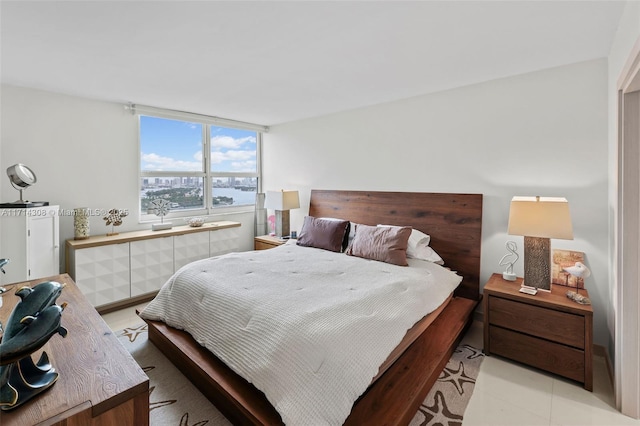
column 151, row 264
column 30, row 239
column 125, row 268
column 102, row 273
column 223, row 241
column 190, row 247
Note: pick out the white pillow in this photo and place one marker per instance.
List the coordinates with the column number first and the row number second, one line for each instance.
column 418, row 247
column 418, row 238
column 425, row 253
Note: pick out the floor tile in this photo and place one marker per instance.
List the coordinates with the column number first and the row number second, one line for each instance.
column 485, row 409
column 117, row 320
column 516, row 385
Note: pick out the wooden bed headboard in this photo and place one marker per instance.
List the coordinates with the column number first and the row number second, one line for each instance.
column 454, row 222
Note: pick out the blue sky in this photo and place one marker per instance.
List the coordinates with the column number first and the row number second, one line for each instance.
column 172, row 145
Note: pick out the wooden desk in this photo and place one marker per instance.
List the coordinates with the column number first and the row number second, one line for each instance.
column 99, row 384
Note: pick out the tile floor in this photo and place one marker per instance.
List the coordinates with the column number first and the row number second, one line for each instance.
column 118, row 320
column 508, row 393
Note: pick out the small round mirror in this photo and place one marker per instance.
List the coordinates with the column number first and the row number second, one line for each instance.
column 21, row 176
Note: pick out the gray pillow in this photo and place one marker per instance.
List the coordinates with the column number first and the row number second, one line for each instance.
column 327, row 234
column 348, row 234
column 385, row 244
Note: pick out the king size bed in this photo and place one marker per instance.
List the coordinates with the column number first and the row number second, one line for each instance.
column 305, row 335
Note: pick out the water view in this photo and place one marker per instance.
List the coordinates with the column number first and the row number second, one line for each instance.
column 188, row 195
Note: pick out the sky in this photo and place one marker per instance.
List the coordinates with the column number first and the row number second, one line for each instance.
column 172, row 145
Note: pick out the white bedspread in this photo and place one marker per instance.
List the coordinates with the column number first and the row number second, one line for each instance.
column 308, row 327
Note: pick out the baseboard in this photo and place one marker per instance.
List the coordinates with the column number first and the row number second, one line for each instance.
column 478, row 315
column 116, row 306
column 599, row 350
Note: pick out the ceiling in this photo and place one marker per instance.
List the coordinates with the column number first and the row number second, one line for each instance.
column 269, row 62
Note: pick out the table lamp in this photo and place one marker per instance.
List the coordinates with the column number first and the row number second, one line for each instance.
column 282, row 202
column 539, row 219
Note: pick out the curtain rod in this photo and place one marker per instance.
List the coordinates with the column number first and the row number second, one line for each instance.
column 208, row 119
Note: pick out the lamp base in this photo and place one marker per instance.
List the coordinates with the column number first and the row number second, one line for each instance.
column 537, row 263
column 528, row 290
column 282, row 223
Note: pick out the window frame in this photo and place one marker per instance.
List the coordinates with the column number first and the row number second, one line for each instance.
column 206, row 174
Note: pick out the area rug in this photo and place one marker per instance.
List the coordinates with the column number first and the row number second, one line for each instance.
column 174, row 401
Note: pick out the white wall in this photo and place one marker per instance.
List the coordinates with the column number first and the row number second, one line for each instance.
column 84, row 154
column 543, row 133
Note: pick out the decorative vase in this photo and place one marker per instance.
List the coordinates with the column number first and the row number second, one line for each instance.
column 81, row 223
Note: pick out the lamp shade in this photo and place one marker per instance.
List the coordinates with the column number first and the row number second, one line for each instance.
column 282, row 200
column 544, row 217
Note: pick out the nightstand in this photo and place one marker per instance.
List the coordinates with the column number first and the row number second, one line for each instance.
column 265, row 242
column 547, row 331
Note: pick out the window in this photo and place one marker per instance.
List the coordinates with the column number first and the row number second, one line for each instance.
column 198, row 167
column 233, row 166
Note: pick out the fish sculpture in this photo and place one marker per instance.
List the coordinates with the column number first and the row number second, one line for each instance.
column 33, row 321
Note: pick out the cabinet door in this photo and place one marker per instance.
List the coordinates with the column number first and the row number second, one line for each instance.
column 43, row 245
column 30, row 240
column 151, row 264
column 102, row 273
column 223, row 241
column 14, row 245
column 190, row 247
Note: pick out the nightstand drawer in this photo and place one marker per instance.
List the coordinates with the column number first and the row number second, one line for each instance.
column 553, row 357
column 259, row 245
column 549, row 324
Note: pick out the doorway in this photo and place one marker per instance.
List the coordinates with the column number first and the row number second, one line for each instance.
column 627, row 241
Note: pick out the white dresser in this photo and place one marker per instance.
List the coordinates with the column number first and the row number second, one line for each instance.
column 31, row 241
column 113, row 271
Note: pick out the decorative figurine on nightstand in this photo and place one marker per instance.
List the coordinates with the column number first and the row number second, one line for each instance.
column 580, row 271
column 33, row 321
column 509, row 260
column 114, row 218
